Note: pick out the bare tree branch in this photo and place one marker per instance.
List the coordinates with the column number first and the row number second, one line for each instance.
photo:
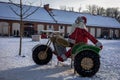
column 27, row 10
column 14, row 3
column 14, row 11
column 24, row 6
column 31, row 13
column 30, row 3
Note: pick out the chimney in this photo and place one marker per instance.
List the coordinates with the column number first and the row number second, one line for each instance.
column 47, row 7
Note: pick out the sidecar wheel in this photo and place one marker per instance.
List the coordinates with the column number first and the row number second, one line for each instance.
column 40, row 57
column 87, row 63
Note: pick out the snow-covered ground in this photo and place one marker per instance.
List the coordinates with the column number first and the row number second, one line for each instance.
column 14, row 67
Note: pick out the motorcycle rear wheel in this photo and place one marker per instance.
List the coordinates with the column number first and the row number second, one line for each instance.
column 87, row 63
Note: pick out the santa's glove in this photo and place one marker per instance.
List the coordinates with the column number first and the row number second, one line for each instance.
column 99, row 44
column 68, row 53
column 60, row 58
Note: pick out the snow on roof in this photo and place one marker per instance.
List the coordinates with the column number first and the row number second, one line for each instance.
column 68, row 17
column 61, row 16
column 41, row 15
column 102, row 21
column 64, row 17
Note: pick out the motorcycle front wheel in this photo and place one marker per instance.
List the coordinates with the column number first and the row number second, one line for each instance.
column 41, row 56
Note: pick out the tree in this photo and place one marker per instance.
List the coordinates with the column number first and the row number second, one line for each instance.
column 67, row 8
column 63, row 8
column 118, row 18
column 79, row 9
column 115, row 12
column 23, row 14
column 109, row 12
column 92, row 9
column 100, row 11
column 70, row 8
column 112, row 12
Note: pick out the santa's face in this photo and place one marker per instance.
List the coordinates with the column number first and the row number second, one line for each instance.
column 79, row 20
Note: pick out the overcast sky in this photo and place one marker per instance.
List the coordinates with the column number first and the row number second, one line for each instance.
column 75, row 3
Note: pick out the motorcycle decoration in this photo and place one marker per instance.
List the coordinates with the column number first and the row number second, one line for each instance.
column 86, row 57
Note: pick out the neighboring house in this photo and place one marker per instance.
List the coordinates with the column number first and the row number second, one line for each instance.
column 46, row 18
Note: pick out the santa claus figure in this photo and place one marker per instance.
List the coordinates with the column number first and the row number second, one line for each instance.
column 79, row 34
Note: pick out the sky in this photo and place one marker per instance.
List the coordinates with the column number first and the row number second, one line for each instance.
column 74, row 3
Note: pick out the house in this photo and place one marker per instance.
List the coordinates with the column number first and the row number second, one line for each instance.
column 46, row 18
column 98, row 26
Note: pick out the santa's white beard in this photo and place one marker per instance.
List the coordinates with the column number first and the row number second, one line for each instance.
column 79, row 25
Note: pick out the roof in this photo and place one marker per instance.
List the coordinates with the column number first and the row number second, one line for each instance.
column 41, row 15
column 64, row 17
column 68, row 17
column 102, row 21
column 61, row 16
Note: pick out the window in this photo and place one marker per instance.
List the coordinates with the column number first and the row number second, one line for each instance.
column 61, row 27
column 50, row 27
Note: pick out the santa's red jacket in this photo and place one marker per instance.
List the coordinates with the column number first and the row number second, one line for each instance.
column 81, row 35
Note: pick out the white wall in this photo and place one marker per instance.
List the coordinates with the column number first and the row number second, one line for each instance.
column 39, row 28
column 111, row 33
column 62, row 30
column 98, row 32
column 48, row 27
column 69, row 29
column 4, row 27
column 117, row 33
column 15, row 26
column 5, row 30
column 92, row 31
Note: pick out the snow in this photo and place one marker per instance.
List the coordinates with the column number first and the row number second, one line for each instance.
column 41, row 15
column 61, row 16
column 14, row 67
column 68, row 17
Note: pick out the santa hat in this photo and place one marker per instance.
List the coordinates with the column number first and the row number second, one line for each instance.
column 81, row 19
column 84, row 19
